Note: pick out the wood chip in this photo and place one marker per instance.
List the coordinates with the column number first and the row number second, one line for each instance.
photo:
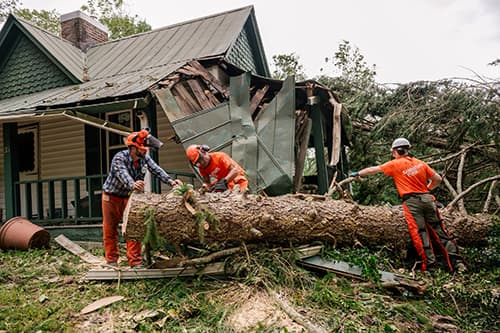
column 100, row 304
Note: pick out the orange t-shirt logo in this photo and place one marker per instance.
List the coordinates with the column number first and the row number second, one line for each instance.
column 410, row 175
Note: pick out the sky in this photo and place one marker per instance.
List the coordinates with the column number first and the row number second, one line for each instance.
column 407, row 40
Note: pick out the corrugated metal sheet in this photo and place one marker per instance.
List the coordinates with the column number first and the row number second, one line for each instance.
column 267, row 160
column 119, row 85
column 70, row 57
column 208, row 36
column 131, row 64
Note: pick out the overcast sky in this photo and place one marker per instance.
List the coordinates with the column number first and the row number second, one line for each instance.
column 407, row 40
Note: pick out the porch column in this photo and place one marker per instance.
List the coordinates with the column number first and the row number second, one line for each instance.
column 319, row 146
column 11, row 170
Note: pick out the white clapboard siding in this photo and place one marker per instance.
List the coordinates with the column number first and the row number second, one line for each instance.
column 62, row 154
column 2, row 183
column 62, row 148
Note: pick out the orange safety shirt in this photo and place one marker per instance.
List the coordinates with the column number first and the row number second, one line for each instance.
column 410, row 175
column 219, row 167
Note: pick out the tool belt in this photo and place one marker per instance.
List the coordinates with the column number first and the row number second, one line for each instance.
column 413, row 195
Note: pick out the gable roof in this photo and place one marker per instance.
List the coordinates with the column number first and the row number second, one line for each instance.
column 133, row 63
column 63, row 54
column 195, row 39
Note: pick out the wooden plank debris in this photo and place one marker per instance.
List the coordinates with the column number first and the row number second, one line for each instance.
column 191, row 104
column 194, row 268
column 303, row 252
column 256, row 99
column 136, row 274
column 195, row 67
column 199, row 94
column 77, row 250
column 100, row 304
column 309, row 251
column 346, row 269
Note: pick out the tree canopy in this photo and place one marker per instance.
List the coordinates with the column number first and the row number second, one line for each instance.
column 452, row 124
column 111, row 13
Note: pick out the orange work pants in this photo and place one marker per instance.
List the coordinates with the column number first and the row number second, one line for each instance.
column 112, row 213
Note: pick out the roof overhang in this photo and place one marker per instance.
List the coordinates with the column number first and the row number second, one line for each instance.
column 82, row 114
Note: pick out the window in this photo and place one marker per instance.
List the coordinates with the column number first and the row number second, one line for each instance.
column 28, row 149
column 115, row 141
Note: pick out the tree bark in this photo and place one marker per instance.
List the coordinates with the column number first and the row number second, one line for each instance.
column 289, row 219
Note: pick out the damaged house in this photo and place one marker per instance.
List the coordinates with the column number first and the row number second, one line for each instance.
column 67, row 102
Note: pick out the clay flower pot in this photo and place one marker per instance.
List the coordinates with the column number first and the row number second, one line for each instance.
column 19, row 233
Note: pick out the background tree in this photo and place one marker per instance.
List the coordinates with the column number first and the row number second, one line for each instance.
column 453, row 124
column 6, row 7
column 287, row 65
column 111, row 13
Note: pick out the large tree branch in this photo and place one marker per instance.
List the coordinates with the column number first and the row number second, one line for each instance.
column 461, row 195
column 452, row 156
column 488, row 198
column 460, row 173
column 450, row 187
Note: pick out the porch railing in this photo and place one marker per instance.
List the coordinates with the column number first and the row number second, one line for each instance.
column 69, row 200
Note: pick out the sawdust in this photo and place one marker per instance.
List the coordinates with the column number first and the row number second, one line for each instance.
column 105, row 321
column 261, row 310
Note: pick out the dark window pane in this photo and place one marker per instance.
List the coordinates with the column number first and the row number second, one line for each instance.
column 26, row 151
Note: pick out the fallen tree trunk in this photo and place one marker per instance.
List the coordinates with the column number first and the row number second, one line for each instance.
column 288, row 219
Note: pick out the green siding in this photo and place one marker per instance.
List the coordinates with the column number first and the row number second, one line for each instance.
column 241, row 53
column 29, row 70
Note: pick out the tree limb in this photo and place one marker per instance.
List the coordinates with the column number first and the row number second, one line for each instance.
column 460, row 172
column 488, row 198
column 450, row 187
column 297, row 317
column 461, row 195
column 452, row 156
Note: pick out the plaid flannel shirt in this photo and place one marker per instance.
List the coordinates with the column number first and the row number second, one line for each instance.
column 123, row 173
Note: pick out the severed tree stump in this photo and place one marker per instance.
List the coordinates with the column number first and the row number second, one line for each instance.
column 288, row 219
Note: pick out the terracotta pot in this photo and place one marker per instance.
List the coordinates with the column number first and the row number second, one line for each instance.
column 19, row 233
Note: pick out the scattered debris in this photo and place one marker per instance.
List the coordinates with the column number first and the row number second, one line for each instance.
column 77, row 250
column 296, row 316
column 387, row 279
column 135, row 274
column 100, row 304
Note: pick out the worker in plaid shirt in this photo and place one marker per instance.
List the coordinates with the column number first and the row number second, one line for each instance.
column 126, row 174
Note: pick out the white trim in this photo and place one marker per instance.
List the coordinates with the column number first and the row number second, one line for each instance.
column 83, row 16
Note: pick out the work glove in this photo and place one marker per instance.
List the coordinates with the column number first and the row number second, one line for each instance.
column 354, row 174
column 221, row 185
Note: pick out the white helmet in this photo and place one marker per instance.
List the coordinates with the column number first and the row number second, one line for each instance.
column 400, row 142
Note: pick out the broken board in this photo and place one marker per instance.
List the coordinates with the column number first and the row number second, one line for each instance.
column 135, row 274
column 77, row 250
column 343, row 268
column 216, row 268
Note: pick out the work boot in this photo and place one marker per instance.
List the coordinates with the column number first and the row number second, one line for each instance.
column 112, row 264
column 140, row 266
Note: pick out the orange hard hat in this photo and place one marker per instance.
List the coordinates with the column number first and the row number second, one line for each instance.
column 193, row 153
column 137, row 139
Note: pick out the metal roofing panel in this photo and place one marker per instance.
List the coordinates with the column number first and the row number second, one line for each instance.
column 268, row 160
column 204, row 37
column 70, row 57
column 131, row 64
column 119, row 85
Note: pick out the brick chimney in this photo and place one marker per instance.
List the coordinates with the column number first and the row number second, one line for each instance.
column 82, row 30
